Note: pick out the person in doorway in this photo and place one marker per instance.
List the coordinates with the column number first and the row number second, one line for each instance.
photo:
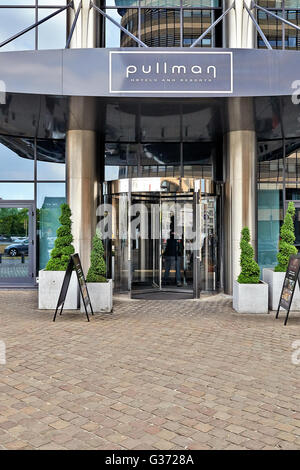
column 172, row 254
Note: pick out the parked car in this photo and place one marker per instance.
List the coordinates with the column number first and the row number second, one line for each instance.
column 16, row 249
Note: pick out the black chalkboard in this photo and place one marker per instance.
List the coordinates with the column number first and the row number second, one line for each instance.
column 74, row 263
column 289, row 284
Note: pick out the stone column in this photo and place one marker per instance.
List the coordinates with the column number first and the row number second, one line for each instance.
column 81, row 143
column 240, row 153
column 82, row 189
column 240, row 185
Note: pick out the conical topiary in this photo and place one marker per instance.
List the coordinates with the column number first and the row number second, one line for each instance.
column 250, row 269
column 97, row 271
column 287, row 240
column 63, row 247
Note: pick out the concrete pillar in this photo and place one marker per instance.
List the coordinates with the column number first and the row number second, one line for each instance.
column 81, row 142
column 240, row 185
column 240, row 152
column 240, row 29
column 82, row 189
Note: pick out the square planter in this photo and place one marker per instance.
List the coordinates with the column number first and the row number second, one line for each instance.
column 101, row 294
column 275, row 281
column 50, row 283
column 250, row 298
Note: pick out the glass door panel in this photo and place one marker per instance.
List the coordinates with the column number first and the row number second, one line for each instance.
column 16, row 244
column 176, row 241
column 208, row 243
column 120, row 266
column 145, row 242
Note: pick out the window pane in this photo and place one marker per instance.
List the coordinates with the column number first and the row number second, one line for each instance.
column 13, row 21
column 272, row 28
column 122, row 3
column 51, row 160
column 52, row 2
column 195, row 22
column 160, row 27
column 268, row 225
column 52, row 33
column 16, row 158
column 201, row 3
column 50, row 196
column 17, row 191
column 114, row 37
column 160, row 3
column 161, row 124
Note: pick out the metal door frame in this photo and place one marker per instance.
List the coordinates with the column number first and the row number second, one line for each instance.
column 31, row 281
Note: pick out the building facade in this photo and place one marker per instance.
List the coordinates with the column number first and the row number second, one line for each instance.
column 167, row 124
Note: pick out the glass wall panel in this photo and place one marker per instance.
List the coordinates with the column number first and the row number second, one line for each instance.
column 160, row 125
column 121, row 122
column 50, row 196
column 52, row 33
column 16, row 158
column 195, row 22
column 268, row 224
column 52, row 2
column 128, row 18
column 160, row 27
column 13, row 21
column 272, row 28
column 292, row 36
column 51, row 160
column 160, row 3
column 17, row 191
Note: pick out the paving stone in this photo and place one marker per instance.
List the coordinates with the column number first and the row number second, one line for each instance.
column 153, row 375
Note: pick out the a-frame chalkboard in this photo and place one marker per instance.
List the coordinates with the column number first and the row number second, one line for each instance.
column 289, row 285
column 74, row 263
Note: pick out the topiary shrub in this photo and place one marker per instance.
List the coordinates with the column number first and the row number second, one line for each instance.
column 250, row 269
column 97, row 271
column 287, row 240
column 63, row 247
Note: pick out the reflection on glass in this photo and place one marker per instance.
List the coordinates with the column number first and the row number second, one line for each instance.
column 13, row 21
column 114, row 37
column 272, row 28
column 49, row 199
column 52, row 33
column 160, row 27
column 14, row 244
column 268, row 224
column 195, row 22
column 120, row 242
column 160, row 124
column 51, row 160
column 17, row 158
column 208, row 243
column 16, row 191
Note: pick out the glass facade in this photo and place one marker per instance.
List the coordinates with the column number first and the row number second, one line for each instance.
column 278, row 183
column 160, row 23
column 34, row 170
column 17, row 15
column 280, row 35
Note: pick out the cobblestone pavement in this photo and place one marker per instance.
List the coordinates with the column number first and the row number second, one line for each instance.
column 152, row 375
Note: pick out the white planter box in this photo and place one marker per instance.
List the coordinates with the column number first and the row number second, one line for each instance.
column 250, row 298
column 101, row 295
column 275, row 281
column 50, row 283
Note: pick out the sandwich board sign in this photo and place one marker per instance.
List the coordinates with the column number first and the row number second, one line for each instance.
column 74, row 263
column 289, row 285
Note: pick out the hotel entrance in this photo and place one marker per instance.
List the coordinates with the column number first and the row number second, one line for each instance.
column 164, row 241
